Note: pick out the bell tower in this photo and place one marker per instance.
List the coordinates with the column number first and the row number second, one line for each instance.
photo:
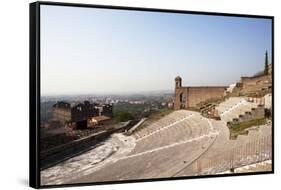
column 178, row 93
column 178, row 82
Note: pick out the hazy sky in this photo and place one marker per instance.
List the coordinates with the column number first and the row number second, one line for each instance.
column 87, row 50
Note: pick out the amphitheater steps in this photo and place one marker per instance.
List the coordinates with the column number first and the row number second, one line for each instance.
column 262, row 166
column 190, row 125
column 167, row 121
column 236, row 108
column 217, row 158
column 157, row 163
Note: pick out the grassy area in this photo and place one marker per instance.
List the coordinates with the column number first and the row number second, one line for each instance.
column 123, row 109
column 239, row 129
column 122, row 116
column 154, row 116
column 160, row 113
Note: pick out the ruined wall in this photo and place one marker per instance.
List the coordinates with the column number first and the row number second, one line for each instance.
column 199, row 94
column 250, row 81
column 186, row 97
column 256, row 84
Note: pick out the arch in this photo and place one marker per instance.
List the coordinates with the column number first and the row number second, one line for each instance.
column 183, row 97
column 181, row 94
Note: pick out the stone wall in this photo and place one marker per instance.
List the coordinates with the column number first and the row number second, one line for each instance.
column 256, row 84
column 186, row 97
column 268, row 101
column 200, row 94
column 63, row 152
column 57, row 154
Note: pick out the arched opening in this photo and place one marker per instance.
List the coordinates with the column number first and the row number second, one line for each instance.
column 184, row 98
column 181, row 97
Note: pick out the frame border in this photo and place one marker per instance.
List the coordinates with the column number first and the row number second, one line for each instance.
column 34, row 91
column 34, row 94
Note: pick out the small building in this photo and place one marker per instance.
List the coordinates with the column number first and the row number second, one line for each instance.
column 79, row 114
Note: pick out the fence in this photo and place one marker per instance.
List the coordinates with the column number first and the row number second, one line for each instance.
column 252, row 152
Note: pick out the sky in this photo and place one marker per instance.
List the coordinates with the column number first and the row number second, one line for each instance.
column 100, row 51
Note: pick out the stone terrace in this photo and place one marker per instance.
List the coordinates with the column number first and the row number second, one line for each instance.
column 234, row 107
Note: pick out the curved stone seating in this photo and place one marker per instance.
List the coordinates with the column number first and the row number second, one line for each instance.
column 189, row 128
column 170, row 119
column 165, row 162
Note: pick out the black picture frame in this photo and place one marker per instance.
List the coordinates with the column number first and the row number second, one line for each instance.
column 34, row 90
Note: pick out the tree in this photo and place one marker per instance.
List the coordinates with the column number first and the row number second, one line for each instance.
column 266, row 64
